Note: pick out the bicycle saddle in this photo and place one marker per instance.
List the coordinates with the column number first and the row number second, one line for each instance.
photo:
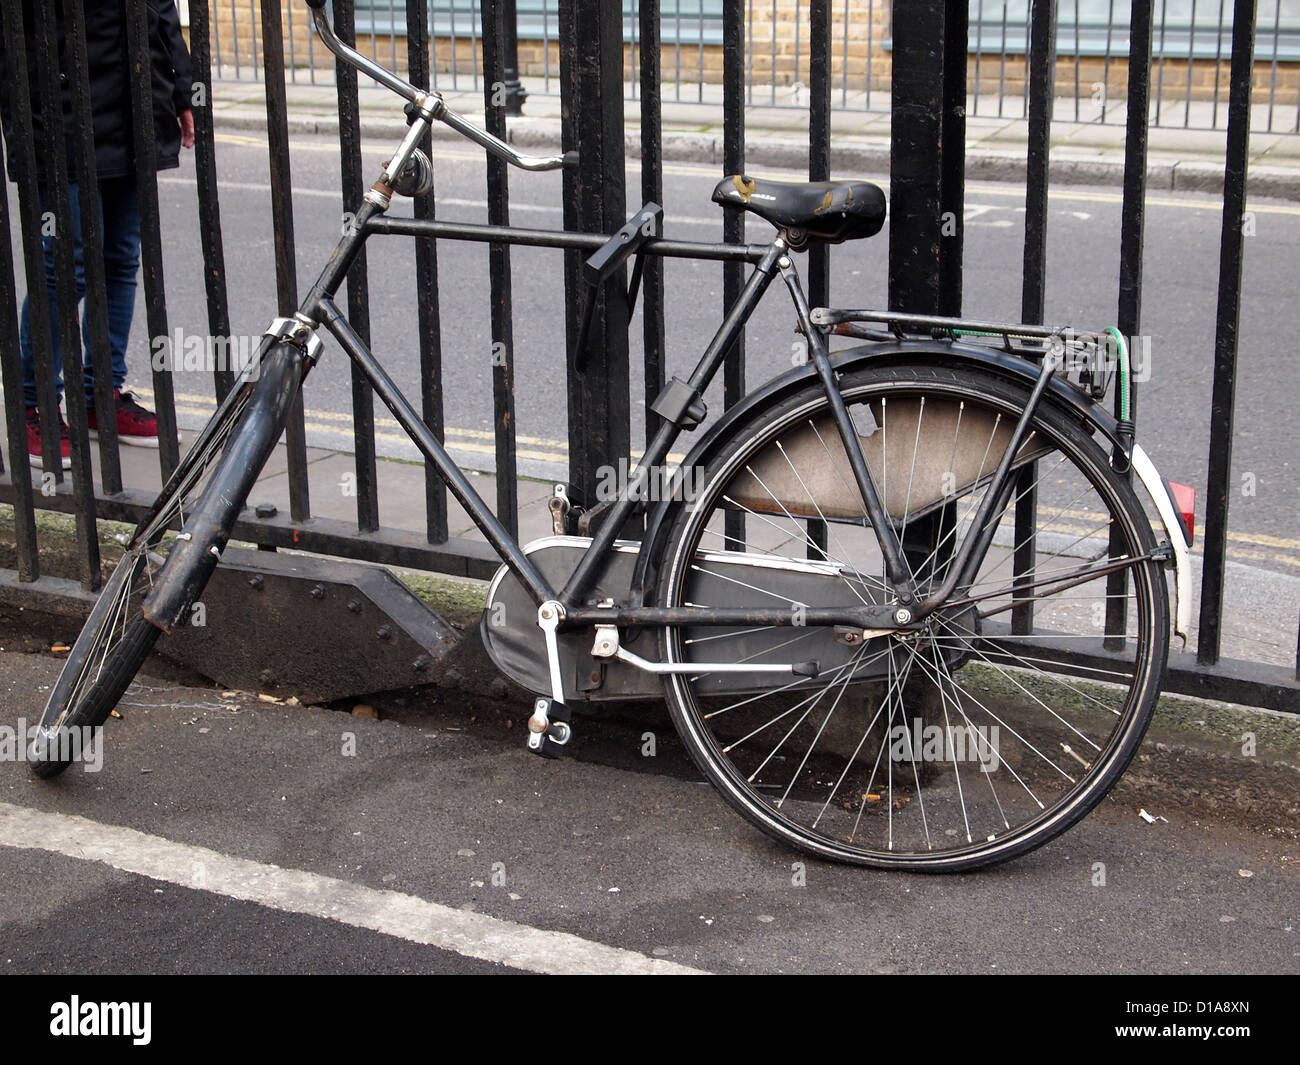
column 831, row 211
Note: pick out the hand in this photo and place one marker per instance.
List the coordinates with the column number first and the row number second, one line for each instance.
column 187, row 128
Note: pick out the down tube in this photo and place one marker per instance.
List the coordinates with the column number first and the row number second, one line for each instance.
column 423, row 437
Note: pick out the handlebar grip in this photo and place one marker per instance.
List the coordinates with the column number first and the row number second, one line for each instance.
column 317, row 4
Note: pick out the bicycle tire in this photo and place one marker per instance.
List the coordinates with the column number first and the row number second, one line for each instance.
column 78, row 702
column 931, row 818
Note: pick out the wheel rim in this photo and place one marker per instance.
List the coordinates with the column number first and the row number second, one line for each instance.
column 962, row 743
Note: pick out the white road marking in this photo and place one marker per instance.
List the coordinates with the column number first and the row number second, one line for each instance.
column 473, row 935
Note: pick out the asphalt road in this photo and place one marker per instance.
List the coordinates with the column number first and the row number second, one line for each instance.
column 1181, row 265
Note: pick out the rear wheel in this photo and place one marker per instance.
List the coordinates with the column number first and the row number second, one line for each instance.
column 1015, row 707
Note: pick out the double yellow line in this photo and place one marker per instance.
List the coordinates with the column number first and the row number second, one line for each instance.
column 477, row 441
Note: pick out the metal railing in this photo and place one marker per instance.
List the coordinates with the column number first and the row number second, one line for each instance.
column 600, row 400
column 1191, row 50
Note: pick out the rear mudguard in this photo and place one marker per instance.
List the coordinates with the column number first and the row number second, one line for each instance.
column 940, row 353
column 198, row 548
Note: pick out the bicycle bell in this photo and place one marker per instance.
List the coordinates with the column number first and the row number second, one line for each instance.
column 416, row 176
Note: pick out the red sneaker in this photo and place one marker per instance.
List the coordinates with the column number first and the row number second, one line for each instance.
column 34, row 440
column 135, row 425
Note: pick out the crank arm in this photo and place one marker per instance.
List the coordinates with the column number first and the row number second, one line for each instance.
column 549, row 730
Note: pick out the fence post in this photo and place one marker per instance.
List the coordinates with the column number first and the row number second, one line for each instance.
column 1132, row 227
column 652, row 191
column 52, row 154
column 926, row 184
column 952, row 177
column 354, row 190
column 1042, row 89
column 28, row 559
column 428, row 308
column 151, row 247
column 1225, row 339
column 733, row 220
column 205, row 176
column 595, row 201
column 499, row 279
column 916, row 156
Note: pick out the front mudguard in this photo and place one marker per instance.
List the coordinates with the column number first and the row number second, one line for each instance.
column 198, row 548
column 939, row 353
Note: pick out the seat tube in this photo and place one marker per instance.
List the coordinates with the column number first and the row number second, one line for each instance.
column 900, row 576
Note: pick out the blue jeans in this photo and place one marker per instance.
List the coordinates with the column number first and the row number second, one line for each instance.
column 119, row 214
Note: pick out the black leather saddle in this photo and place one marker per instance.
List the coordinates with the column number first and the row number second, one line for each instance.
column 830, row 211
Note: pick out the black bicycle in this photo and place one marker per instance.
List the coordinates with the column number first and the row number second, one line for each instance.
column 903, row 601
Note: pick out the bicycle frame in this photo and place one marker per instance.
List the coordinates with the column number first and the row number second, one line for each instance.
column 767, row 260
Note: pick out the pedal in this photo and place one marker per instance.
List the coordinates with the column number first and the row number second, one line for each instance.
column 549, row 729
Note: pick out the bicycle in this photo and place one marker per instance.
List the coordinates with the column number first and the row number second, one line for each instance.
column 859, row 646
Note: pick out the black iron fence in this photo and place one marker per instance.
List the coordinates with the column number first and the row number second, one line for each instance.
column 930, row 70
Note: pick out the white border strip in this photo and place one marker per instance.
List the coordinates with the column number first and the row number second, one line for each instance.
column 473, row 935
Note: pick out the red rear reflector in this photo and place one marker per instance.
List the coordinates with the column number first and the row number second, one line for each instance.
column 1185, row 501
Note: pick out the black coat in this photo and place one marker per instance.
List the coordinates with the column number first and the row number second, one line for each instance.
column 110, row 85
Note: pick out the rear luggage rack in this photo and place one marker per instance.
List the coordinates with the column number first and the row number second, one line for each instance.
column 1088, row 359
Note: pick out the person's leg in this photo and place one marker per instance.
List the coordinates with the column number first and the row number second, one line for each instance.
column 120, row 214
column 27, row 359
column 26, row 353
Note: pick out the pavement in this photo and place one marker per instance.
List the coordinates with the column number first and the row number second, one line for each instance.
column 1086, row 149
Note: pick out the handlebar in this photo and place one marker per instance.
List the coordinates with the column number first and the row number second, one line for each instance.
column 429, row 103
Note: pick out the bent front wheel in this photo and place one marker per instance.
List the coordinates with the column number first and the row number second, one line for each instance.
column 996, row 725
column 211, row 482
